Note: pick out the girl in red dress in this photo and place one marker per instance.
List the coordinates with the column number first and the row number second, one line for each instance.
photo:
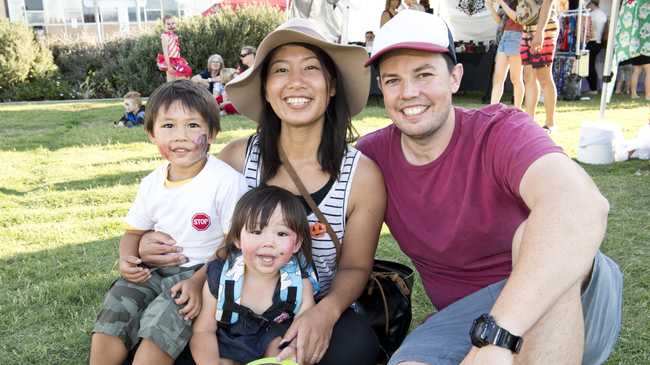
column 170, row 61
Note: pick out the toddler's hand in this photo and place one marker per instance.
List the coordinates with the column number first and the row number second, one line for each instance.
column 130, row 270
column 188, row 292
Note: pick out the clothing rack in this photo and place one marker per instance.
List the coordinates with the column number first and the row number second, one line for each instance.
column 571, row 52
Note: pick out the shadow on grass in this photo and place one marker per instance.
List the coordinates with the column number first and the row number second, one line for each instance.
column 25, row 130
column 13, row 192
column 49, row 300
column 102, row 181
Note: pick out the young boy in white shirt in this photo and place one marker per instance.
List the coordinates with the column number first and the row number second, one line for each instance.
column 191, row 198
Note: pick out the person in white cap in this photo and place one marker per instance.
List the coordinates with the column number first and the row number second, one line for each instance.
column 303, row 90
column 502, row 226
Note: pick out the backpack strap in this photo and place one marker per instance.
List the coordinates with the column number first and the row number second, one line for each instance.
column 229, row 301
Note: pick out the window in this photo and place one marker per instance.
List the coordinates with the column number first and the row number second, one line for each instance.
column 170, row 7
column 34, row 12
column 133, row 16
column 108, row 15
column 88, row 14
column 73, row 12
column 35, row 17
column 34, row 5
column 152, row 10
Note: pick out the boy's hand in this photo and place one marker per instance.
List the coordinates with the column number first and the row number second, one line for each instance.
column 188, row 292
column 130, row 270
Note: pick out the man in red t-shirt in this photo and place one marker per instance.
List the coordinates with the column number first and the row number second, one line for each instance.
column 502, row 226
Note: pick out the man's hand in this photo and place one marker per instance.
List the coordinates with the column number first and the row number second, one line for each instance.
column 310, row 333
column 188, row 292
column 158, row 249
column 488, row 355
column 536, row 43
column 130, row 270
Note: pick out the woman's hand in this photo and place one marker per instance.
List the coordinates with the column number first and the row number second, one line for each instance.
column 310, row 334
column 131, row 270
column 158, row 249
column 188, row 293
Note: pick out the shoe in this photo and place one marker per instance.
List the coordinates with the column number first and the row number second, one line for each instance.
column 550, row 129
column 592, row 92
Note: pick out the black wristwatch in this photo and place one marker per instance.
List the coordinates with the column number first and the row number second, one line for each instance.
column 485, row 331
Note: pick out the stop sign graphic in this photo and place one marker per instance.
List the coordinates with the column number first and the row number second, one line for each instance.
column 201, row 221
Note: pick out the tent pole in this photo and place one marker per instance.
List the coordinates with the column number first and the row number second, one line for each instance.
column 609, row 55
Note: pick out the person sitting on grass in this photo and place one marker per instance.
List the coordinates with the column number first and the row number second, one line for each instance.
column 503, row 227
column 133, row 111
column 191, row 198
column 261, row 278
column 246, row 58
column 211, row 76
column 226, row 106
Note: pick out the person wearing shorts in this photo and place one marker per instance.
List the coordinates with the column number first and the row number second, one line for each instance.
column 444, row 335
column 502, row 226
column 507, row 57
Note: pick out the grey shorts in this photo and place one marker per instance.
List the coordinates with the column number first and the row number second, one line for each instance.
column 444, row 337
column 132, row 311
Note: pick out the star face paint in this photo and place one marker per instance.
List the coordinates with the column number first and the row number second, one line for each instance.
column 268, row 249
column 182, row 138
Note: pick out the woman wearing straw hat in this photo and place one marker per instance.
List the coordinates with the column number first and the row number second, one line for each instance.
column 302, row 91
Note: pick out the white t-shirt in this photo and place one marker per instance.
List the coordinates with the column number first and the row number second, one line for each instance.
column 195, row 213
column 598, row 20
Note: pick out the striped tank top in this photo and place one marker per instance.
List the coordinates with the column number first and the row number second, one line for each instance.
column 174, row 46
column 333, row 206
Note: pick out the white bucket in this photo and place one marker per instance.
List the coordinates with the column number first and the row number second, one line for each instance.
column 597, row 142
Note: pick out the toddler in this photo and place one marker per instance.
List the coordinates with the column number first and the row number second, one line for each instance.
column 133, row 111
column 261, row 278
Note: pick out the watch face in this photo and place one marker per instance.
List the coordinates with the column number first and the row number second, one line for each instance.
column 479, row 332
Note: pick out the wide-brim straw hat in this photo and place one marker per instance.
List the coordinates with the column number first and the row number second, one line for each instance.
column 245, row 90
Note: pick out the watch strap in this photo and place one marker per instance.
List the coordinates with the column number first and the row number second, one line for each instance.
column 505, row 339
column 493, row 334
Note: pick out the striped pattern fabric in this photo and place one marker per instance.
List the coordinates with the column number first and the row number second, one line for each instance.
column 333, row 206
column 545, row 55
column 174, row 46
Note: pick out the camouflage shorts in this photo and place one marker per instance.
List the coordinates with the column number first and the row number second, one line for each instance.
column 146, row 310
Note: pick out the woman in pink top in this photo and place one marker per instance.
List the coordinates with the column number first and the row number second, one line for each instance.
column 170, row 61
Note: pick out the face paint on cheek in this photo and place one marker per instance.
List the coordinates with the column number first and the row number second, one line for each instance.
column 164, row 151
column 201, row 142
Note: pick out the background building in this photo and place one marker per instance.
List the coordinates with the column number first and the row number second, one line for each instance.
column 96, row 20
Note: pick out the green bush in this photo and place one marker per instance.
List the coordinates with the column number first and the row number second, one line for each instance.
column 47, row 87
column 22, row 57
column 116, row 67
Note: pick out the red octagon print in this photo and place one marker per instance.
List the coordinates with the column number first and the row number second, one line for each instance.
column 201, row 221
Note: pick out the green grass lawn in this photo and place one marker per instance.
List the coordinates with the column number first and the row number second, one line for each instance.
column 67, row 178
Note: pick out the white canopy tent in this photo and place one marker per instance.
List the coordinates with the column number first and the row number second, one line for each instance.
column 608, row 80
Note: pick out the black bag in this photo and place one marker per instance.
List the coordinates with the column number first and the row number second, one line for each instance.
column 386, row 303
column 386, row 299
